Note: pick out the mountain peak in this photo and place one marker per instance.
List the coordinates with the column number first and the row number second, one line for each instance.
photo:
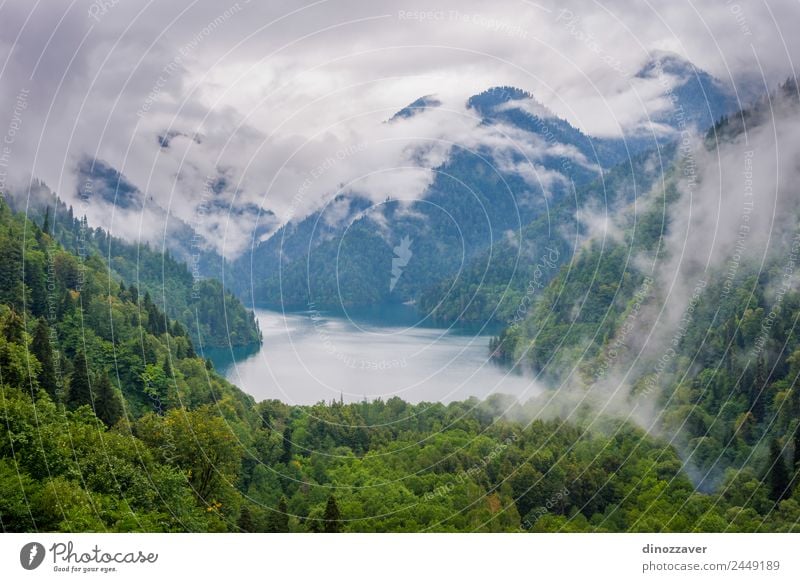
column 416, row 107
column 660, row 61
column 100, row 180
column 703, row 98
column 494, row 96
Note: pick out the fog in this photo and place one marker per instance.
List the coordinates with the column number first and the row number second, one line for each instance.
column 263, row 95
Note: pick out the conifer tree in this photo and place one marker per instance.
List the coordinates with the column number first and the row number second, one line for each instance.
column 286, row 457
column 107, row 402
column 796, row 456
column 331, row 516
column 80, row 390
column 758, row 391
column 779, row 479
column 43, row 351
column 282, row 516
column 46, row 222
column 278, row 519
column 246, row 522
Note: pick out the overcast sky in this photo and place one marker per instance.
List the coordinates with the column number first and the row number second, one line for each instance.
column 268, row 92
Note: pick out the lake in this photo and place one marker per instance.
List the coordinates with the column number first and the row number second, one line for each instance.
column 314, row 356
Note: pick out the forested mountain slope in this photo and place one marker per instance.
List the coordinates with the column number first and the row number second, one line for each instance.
column 211, row 314
column 687, row 316
column 110, row 422
column 518, row 177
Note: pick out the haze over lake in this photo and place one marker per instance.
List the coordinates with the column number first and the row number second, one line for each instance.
column 313, row 356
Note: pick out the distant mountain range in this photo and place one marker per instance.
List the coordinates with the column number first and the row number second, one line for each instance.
column 521, row 194
column 480, row 199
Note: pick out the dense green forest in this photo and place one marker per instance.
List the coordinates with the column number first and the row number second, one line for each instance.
column 502, row 284
column 724, row 376
column 111, row 422
column 213, row 316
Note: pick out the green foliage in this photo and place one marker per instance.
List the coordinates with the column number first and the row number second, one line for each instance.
column 331, row 516
column 724, row 377
column 174, row 447
column 107, row 402
column 80, row 389
column 211, row 315
column 42, row 350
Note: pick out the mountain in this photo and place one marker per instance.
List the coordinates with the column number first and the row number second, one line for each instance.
column 500, row 284
column 102, row 186
column 110, row 422
column 695, row 98
column 683, row 423
column 519, row 109
column 210, row 313
column 98, row 181
column 418, row 106
column 473, row 200
column 704, row 353
column 82, row 352
column 528, row 168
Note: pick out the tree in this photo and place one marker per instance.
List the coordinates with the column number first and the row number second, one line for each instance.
column 286, row 457
column 156, row 385
column 107, row 402
column 43, row 351
column 281, row 516
column 46, row 222
column 278, row 519
column 246, row 522
column 201, row 443
column 80, row 389
column 779, row 479
column 758, row 391
column 796, row 457
column 331, row 517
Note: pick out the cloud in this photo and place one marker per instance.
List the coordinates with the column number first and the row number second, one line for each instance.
column 275, row 89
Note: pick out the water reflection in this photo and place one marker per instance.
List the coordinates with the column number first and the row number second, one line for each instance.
column 313, row 356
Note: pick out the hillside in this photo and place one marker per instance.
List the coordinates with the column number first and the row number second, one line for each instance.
column 112, row 423
column 211, row 314
column 701, row 348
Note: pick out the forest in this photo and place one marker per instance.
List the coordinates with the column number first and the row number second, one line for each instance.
column 213, row 316
column 112, row 422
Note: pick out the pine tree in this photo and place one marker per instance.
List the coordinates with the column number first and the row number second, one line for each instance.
column 65, row 303
column 779, row 479
column 80, row 390
column 331, row 516
column 286, row 457
column 107, row 402
column 46, row 222
column 43, row 351
column 281, row 516
column 796, row 457
column 758, row 392
column 246, row 522
column 190, row 353
column 177, row 329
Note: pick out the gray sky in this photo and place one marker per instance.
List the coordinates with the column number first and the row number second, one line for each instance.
column 281, row 94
